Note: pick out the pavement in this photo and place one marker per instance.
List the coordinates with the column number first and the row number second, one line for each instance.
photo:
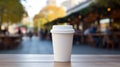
column 37, row 46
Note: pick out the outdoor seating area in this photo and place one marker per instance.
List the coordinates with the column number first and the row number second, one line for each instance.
column 9, row 41
column 95, row 25
column 59, row 33
column 104, row 17
column 102, row 40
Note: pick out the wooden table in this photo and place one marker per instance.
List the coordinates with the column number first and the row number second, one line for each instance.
column 38, row 60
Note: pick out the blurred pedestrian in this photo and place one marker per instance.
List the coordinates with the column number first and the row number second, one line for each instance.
column 43, row 33
column 19, row 32
column 30, row 34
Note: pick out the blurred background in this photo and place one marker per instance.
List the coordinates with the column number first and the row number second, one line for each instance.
column 25, row 25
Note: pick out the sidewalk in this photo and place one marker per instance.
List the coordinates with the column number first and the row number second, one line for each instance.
column 36, row 46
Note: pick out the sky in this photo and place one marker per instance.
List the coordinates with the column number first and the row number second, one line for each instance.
column 34, row 6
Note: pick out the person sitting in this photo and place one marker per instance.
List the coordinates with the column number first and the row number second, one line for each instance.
column 93, row 38
column 77, row 36
column 87, row 31
column 107, row 41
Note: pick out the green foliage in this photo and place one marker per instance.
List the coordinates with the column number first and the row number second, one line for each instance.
column 108, row 3
column 48, row 14
column 51, row 12
column 11, row 10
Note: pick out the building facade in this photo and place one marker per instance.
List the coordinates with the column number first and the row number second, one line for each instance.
column 79, row 6
column 51, row 2
column 68, row 4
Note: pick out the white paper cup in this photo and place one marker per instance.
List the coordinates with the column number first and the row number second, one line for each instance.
column 62, row 37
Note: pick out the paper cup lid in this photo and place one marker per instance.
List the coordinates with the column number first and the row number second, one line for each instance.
column 62, row 29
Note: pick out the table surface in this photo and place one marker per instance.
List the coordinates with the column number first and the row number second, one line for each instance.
column 38, row 60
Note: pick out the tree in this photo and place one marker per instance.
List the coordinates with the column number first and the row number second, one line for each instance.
column 48, row 14
column 51, row 12
column 108, row 3
column 11, row 11
column 36, row 21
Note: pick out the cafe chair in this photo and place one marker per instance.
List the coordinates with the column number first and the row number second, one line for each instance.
column 109, row 43
column 90, row 40
column 8, row 43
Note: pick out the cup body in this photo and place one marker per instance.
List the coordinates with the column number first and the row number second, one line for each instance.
column 62, row 43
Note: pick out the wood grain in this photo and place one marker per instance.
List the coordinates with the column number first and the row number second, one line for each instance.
column 38, row 60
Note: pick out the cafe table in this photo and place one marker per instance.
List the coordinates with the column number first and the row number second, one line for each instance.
column 10, row 40
column 47, row 60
